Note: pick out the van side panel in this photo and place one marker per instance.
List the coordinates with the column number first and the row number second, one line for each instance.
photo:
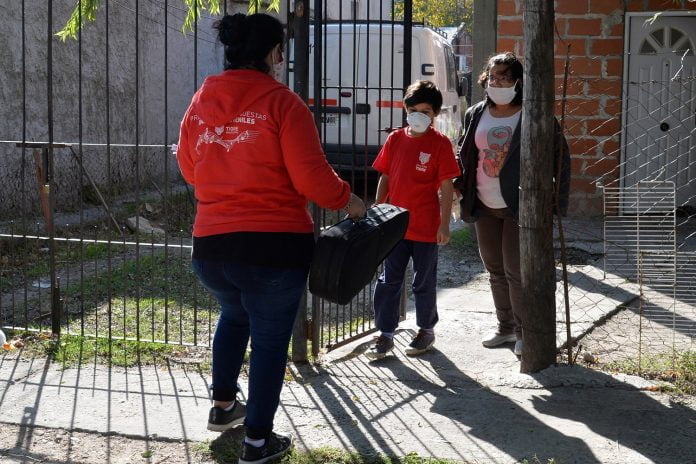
column 363, row 87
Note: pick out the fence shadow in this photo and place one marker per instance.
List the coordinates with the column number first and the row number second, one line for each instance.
column 430, row 405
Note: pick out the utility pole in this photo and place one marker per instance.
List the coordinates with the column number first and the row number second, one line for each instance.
column 536, row 189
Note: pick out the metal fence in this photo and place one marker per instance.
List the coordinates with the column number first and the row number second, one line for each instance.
column 96, row 220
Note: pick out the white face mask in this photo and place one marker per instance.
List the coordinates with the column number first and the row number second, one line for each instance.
column 502, row 95
column 418, row 122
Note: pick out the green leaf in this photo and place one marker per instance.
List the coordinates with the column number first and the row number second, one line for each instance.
column 85, row 10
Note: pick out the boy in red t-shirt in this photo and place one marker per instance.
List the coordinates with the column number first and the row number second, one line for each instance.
column 415, row 163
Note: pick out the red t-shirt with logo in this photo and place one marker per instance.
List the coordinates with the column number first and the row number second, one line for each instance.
column 416, row 167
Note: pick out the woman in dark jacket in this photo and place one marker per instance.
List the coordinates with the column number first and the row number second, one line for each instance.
column 490, row 156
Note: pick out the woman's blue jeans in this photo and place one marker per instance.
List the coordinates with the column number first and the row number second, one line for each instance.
column 258, row 303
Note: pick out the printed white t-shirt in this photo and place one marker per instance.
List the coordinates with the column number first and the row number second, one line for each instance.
column 493, row 136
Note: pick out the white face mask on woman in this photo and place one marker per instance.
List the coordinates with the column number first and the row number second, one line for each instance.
column 418, row 122
column 502, row 95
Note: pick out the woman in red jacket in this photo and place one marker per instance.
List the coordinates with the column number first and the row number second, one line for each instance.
column 250, row 148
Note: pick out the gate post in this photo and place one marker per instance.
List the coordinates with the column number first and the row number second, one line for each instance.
column 300, row 33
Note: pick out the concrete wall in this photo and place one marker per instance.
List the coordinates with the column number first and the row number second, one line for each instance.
column 132, row 90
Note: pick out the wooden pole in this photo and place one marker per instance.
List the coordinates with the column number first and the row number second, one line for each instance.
column 537, row 188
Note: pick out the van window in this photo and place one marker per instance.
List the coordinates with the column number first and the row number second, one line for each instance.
column 451, row 70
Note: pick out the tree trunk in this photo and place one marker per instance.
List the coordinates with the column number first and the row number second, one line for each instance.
column 536, row 189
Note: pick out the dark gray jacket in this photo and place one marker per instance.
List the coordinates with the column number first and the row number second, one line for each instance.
column 467, row 154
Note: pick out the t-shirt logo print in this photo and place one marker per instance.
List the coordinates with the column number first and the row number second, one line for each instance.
column 423, row 159
column 498, row 146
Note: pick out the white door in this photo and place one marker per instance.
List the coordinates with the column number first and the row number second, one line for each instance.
column 660, row 105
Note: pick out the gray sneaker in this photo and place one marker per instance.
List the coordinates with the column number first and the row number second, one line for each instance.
column 382, row 346
column 421, row 343
column 496, row 339
column 220, row 420
column 518, row 347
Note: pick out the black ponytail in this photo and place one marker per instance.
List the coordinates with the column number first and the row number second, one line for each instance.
column 249, row 39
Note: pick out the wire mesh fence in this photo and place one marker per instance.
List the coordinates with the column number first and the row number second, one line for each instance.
column 633, row 162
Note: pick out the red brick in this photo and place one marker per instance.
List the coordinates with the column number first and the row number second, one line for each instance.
column 582, row 108
column 572, row 7
column 506, row 44
column 613, row 107
column 585, row 67
column 603, row 167
column 582, row 146
column 603, row 47
column 575, row 86
column 578, row 47
column 582, row 185
column 577, row 166
column 559, row 66
column 510, row 27
column 602, row 127
column 606, row 6
column 601, row 87
column 560, row 27
column 576, row 126
column 507, row 8
column 614, row 67
column 582, row 26
column 610, row 147
column 617, row 30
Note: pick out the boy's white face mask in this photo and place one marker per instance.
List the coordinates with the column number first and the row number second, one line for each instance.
column 502, row 95
column 418, row 122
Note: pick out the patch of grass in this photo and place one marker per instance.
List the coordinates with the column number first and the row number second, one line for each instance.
column 72, row 350
column 152, row 299
column 226, row 449
column 679, row 370
column 461, row 240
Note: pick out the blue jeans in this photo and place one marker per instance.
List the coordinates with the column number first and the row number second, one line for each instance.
column 388, row 288
column 260, row 303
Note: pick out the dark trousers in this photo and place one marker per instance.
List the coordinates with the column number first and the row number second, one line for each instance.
column 498, row 238
column 388, row 289
column 258, row 303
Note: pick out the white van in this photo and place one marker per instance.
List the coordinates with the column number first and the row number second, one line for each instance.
column 364, row 83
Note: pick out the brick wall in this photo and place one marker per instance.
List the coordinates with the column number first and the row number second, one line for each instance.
column 594, row 29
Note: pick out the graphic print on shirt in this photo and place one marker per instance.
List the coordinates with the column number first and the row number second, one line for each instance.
column 498, row 146
column 423, row 159
column 218, row 133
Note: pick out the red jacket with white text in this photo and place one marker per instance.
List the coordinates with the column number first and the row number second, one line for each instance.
column 250, row 147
